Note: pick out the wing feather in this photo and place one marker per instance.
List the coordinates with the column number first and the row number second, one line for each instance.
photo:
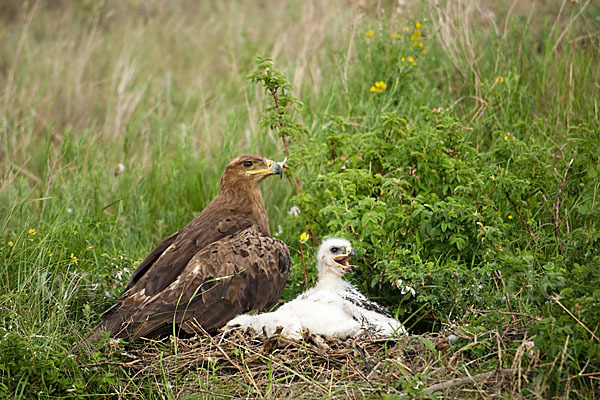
column 165, row 263
column 236, row 274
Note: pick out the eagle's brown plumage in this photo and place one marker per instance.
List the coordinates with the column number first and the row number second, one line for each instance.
column 221, row 264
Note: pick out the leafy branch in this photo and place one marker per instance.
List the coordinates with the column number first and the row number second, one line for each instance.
column 281, row 116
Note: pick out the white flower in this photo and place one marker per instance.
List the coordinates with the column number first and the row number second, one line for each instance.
column 404, row 288
column 279, row 230
column 294, row 211
column 119, row 168
column 529, row 346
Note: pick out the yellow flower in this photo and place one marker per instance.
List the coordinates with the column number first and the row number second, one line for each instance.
column 506, row 137
column 370, row 34
column 510, row 217
column 402, row 59
column 411, row 60
column 396, row 36
column 406, row 29
column 10, row 244
column 425, row 51
column 500, row 79
column 418, row 25
column 304, row 237
column 74, row 259
column 420, row 45
column 378, row 87
column 32, row 232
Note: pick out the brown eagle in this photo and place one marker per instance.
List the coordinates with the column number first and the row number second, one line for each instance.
column 221, row 264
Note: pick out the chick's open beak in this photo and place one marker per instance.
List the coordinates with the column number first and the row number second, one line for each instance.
column 343, row 260
column 352, row 253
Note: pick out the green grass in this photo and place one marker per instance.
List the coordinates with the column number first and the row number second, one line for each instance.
column 162, row 88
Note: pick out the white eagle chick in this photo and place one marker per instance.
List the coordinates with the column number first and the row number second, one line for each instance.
column 333, row 308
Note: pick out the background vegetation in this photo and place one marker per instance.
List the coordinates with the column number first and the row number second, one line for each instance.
column 455, row 143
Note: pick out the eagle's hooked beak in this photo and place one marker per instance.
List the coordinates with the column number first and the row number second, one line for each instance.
column 273, row 168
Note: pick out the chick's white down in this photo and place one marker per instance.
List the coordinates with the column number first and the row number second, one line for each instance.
column 332, row 308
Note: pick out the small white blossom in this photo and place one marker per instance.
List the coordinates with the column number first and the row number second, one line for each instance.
column 119, row 168
column 404, row 288
column 529, row 346
column 279, row 230
column 294, row 211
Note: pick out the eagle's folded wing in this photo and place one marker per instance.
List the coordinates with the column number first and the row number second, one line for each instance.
column 233, row 275
column 164, row 264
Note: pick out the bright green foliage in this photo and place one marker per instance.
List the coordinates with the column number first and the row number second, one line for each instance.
column 279, row 116
column 463, row 212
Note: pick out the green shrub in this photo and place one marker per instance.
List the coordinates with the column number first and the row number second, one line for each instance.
column 464, row 213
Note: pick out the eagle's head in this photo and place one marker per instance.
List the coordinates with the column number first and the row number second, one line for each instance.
column 250, row 170
column 333, row 256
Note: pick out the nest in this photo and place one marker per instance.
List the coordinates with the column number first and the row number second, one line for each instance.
column 247, row 365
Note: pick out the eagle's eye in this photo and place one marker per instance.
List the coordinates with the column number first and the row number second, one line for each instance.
column 334, row 250
column 247, row 164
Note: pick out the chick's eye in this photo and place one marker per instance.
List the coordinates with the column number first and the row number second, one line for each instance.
column 247, row 164
column 334, row 250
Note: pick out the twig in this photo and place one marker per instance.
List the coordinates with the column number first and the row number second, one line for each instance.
column 279, row 113
column 117, row 363
column 522, row 220
column 212, row 394
column 475, row 379
column 303, row 267
column 493, row 190
column 455, row 292
column 474, row 310
column 557, row 223
column 296, row 373
column 499, row 275
column 285, row 144
column 580, row 376
column 244, row 371
column 557, row 299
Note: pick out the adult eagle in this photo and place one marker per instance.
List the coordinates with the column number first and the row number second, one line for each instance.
column 221, row 264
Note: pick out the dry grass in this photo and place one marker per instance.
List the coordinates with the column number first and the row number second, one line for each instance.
column 106, row 67
column 233, row 364
column 548, row 42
